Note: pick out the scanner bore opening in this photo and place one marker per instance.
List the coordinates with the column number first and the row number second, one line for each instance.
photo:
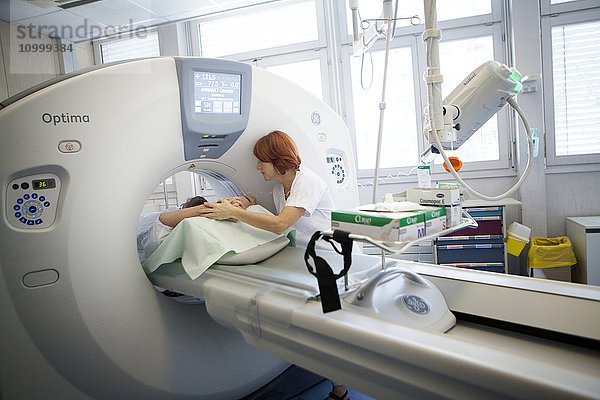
column 170, row 194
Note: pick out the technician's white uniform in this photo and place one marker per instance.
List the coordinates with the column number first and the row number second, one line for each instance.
column 311, row 193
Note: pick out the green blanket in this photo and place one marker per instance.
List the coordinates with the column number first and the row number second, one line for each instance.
column 200, row 242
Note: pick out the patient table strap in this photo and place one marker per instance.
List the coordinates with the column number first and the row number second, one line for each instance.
column 330, row 299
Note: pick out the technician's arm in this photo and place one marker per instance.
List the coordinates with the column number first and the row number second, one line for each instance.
column 272, row 223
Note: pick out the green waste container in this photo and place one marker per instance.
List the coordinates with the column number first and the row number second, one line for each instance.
column 551, row 258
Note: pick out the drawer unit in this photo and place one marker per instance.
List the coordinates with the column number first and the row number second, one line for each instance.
column 485, row 211
column 491, row 225
column 476, row 239
column 482, row 248
column 465, row 253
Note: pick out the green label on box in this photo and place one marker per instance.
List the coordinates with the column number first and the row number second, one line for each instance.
column 435, row 213
column 411, row 220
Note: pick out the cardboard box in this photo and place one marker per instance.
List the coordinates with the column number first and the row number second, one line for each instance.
column 453, row 215
column 435, row 220
column 434, row 196
column 440, row 197
column 382, row 226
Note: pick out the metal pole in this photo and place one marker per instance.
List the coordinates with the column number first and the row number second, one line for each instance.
column 382, row 106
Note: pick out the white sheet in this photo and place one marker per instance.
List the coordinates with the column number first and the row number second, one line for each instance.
column 200, row 242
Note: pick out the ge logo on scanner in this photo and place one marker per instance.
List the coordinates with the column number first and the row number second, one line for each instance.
column 315, row 118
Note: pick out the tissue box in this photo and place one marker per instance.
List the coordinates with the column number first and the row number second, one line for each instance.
column 447, row 198
column 383, row 226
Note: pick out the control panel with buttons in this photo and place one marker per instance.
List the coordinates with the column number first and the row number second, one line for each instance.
column 337, row 168
column 31, row 201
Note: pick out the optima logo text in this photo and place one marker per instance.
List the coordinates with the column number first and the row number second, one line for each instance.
column 65, row 118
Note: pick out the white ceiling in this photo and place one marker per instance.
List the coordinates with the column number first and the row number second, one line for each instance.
column 96, row 19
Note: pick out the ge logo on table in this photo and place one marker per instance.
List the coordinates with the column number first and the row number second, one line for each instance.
column 415, row 304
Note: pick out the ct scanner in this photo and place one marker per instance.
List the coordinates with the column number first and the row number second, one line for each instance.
column 80, row 319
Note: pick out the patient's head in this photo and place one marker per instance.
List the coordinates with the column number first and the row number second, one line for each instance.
column 194, row 201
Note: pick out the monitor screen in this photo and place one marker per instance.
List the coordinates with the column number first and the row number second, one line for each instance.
column 216, row 93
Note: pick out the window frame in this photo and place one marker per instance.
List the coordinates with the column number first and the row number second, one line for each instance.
column 548, row 21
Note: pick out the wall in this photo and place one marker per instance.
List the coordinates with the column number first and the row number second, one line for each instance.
column 22, row 70
column 571, row 195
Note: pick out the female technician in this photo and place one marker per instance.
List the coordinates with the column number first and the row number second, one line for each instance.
column 301, row 197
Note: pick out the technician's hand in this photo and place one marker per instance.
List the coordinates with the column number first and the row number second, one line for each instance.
column 241, row 201
column 222, row 211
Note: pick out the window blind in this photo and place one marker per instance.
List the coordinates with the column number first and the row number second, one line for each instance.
column 576, row 81
column 135, row 47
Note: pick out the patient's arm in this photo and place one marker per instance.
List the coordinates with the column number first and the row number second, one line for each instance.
column 172, row 218
column 272, row 223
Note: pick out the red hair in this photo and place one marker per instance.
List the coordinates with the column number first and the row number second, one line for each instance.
column 278, row 149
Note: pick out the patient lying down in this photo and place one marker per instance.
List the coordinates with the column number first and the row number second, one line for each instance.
column 155, row 227
column 201, row 242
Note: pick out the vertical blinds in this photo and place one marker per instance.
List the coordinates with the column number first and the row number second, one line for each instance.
column 135, row 47
column 576, row 81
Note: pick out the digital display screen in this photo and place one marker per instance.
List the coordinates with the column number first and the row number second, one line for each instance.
column 41, row 184
column 216, row 93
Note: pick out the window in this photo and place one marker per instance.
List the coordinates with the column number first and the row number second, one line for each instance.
column 298, row 40
column 140, row 45
column 571, row 66
column 399, row 143
column 304, row 73
column 483, row 145
column 467, row 44
column 258, row 28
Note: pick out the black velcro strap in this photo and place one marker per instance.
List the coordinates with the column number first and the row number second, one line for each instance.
column 330, row 299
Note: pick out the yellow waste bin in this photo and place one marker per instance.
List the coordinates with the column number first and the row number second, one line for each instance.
column 551, row 258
